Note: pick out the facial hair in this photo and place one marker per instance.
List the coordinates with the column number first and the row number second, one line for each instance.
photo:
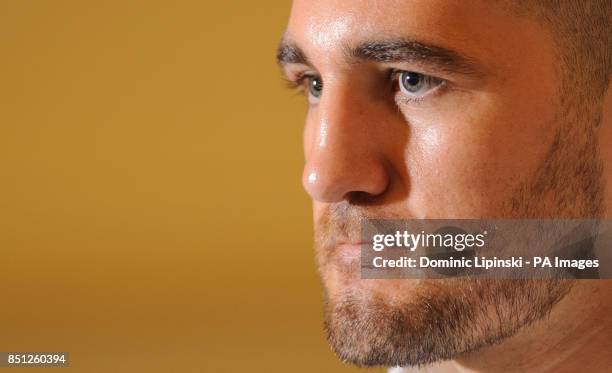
column 441, row 319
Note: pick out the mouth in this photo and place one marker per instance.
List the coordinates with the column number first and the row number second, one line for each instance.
column 350, row 252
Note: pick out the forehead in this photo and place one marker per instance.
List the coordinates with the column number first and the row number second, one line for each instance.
column 479, row 28
column 327, row 21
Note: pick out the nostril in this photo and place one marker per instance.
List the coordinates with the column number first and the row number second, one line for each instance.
column 361, row 198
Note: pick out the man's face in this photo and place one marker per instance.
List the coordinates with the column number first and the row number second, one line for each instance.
column 427, row 109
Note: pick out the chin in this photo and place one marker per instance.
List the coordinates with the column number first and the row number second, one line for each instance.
column 399, row 322
column 342, row 280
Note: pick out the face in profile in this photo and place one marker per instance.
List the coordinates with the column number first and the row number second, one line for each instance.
column 434, row 109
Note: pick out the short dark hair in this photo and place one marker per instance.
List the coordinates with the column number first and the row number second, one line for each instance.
column 582, row 30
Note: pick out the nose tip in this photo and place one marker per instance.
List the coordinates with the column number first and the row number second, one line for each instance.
column 329, row 184
column 321, row 188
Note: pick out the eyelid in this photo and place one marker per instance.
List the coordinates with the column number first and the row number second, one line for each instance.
column 403, row 98
column 395, row 73
column 298, row 79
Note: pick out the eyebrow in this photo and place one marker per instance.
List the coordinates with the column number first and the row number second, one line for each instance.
column 392, row 51
column 289, row 53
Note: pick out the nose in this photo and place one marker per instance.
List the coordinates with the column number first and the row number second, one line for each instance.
column 343, row 156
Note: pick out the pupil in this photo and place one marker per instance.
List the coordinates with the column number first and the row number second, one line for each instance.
column 412, row 79
column 316, row 86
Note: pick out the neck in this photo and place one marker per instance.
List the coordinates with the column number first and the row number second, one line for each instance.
column 575, row 336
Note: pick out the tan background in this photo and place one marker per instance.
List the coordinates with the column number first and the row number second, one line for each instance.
column 151, row 213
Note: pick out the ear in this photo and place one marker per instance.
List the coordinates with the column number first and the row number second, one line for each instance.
column 605, row 148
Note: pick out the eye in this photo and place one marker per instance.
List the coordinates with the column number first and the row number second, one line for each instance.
column 315, row 87
column 416, row 84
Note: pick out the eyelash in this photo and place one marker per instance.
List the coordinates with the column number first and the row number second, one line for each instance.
column 299, row 82
column 394, row 76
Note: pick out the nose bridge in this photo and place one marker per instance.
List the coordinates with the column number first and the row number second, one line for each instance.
column 343, row 157
column 339, row 124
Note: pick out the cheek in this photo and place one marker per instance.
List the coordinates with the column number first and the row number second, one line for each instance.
column 466, row 164
column 445, row 171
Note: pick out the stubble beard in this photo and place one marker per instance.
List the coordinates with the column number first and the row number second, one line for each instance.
column 442, row 319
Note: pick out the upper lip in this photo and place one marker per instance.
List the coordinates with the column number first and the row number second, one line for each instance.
column 348, row 242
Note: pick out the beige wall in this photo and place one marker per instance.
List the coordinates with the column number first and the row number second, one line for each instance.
column 151, row 213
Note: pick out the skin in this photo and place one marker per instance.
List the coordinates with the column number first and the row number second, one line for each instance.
column 459, row 152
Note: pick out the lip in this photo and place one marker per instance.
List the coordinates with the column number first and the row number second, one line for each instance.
column 351, row 251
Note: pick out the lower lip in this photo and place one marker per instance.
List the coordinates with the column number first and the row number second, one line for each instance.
column 350, row 251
